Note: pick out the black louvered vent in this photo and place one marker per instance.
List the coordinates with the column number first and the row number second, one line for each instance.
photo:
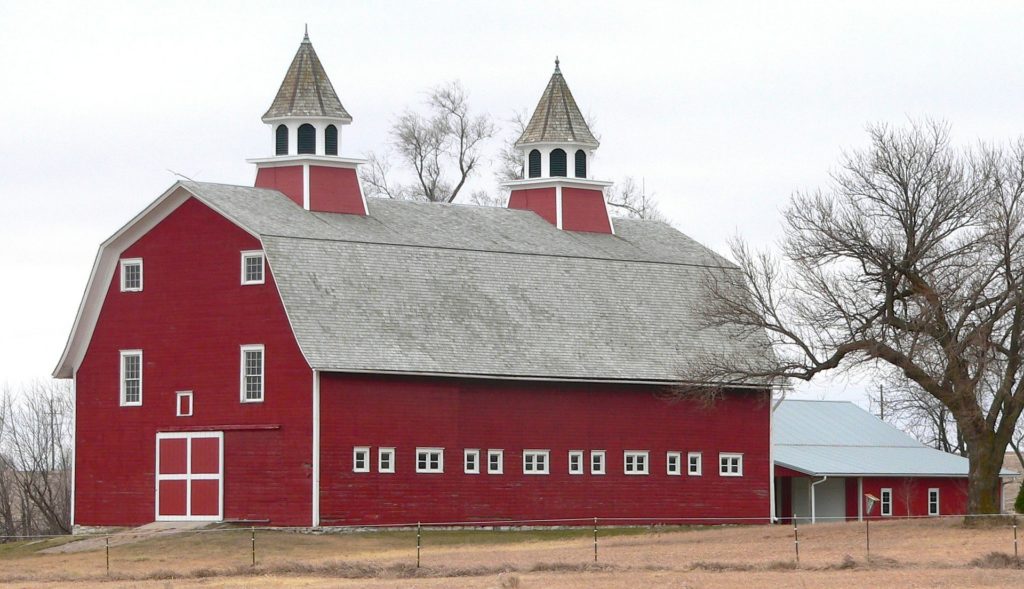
column 281, row 140
column 331, row 140
column 534, row 164
column 581, row 163
column 307, row 139
column 558, row 165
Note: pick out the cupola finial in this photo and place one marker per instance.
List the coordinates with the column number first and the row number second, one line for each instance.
column 557, row 69
column 305, row 37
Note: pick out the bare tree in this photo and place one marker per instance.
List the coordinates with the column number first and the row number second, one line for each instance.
column 441, row 149
column 905, row 404
column 634, row 202
column 912, row 260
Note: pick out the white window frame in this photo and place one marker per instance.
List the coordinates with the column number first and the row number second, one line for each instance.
column 938, row 505
column 726, row 470
column 545, row 459
column 124, row 401
column 578, row 455
column 263, row 372
column 247, row 255
column 428, row 469
column 602, row 457
column 694, row 470
column 386, row 455
column 131, row 262
column 473, row 453
column 634, row 456
column 678, row 457
column 365, row 452
column 500, row 454
column 177, row 403
column 885, row 502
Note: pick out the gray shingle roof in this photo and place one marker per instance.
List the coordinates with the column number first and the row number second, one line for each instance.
column 557, row 118
column 306, row 90
column 464, row 290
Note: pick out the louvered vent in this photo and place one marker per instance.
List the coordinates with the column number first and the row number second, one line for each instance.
column 534, row 164
column 307, row 139
column 558, row 164
column 281, row 140
column 581, row 163
column 331, row 140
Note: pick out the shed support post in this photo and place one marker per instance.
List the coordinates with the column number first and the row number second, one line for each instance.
column 860, row 499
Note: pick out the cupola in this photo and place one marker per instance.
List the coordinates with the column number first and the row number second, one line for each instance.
column 558, row 148
column 306, row 120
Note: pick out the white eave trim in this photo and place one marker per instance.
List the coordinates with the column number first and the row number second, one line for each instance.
column 556, row 181
column 328, row 161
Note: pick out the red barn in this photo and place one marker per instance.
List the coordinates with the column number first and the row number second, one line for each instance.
column 297, row 354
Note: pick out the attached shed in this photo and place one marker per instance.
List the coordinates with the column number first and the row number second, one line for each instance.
column 829, row 454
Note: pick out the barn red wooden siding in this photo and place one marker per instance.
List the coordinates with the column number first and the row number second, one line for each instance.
column 456, row 414
column 190, row 320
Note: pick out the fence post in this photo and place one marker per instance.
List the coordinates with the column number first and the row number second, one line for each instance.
column 867, row 534
column 253, row 546
column 1016, row 555
column 796, row 541
column 418, row 533
column 595, row 539
column 108, row 554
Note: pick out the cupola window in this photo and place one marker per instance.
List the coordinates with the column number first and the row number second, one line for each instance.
column 281, row 140
column 534, row 164
column 581, row 163
column 307, row 139
column 558, row 163
column 331, row 140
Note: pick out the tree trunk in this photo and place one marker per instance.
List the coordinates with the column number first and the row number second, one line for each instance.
column 985, row 456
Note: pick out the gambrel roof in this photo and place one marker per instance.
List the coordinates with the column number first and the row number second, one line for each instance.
column 421, row 288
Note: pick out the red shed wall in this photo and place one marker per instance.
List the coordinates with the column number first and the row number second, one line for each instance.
column 910, row 495
column 189, row 321
column 513, row 416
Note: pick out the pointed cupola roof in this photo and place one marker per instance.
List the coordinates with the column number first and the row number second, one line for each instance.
column 557, row 119
column 306, row 90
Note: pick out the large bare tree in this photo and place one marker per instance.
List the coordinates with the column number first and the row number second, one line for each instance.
column 441, row 150
column 911, row 261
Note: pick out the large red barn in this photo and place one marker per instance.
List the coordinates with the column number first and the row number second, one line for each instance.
column 297, row 354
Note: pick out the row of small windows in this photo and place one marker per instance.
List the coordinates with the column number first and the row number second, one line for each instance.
column 537, row 462
column 557, row 163
column 253, row 263
column 251, row 378
column 886, row 502
column 306, row 139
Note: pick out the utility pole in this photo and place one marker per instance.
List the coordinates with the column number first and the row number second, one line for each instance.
column 881, row 402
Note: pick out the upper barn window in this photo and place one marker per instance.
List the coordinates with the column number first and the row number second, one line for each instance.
column 581, row 163
column 252, row 267
column 252, row 374
column 331, row 140
column 534, row 164
column 307, row 139
column 131, row 275
column 558, row 164
column 131, row 377
column 281, row 140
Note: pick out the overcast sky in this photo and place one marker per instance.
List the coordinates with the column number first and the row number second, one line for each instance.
column 723, row 109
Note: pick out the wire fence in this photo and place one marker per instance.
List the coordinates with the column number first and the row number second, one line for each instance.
column 1007, row 541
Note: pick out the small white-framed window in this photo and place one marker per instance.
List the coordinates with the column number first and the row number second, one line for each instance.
column 886, row 503
column 575, row 461
column 694, row 468
column 597, row 462
column 252, row 375
column 183, row 404
column 471, row 461
column 253, row 263
column 634, row 462
column 430, row 460
column 386, row 460
column 674, row 463
column 535, row 461
column 495, row 461
column 131, row 275
column 730, row 464
column 131, row 378
column 361, row 459
column 933, row 501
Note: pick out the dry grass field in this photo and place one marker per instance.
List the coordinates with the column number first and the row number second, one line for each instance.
column 920, row 553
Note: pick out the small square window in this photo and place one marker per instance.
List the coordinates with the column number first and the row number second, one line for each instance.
column 597, row 462
column 933, row 501
column 673, row 463
column 252, row 374
column 131, row 378
column 252, row 267
column 430, row 460
column 575, row 461
column 635, row 461
column 386, row 460
column 730, row 465
column 886, row 503
column 361, row 459
column 535, row 461
column 131, row 275
column 495, row 461
column 183, row 404
column 472, row 462
column 693, row 464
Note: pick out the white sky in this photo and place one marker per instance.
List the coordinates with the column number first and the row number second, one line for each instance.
column 723, row 108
